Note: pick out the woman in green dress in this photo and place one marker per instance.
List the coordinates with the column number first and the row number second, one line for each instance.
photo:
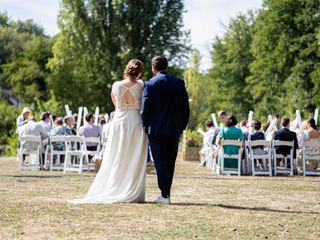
column 230, row 132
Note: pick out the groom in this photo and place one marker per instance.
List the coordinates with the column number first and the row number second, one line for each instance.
column 165, row 114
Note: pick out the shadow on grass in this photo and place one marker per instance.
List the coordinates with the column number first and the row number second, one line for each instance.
column 262, row 209
column 255, row 209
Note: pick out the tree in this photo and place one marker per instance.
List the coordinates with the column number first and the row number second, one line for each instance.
column 286, row 52
column 231, row 58
column 98, row 37
column 193, row 77
column 27, row 70
column 8, row 115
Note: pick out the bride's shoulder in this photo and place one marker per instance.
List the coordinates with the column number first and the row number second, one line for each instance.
column 117, row 83
column 116, row 86
column 140, row 82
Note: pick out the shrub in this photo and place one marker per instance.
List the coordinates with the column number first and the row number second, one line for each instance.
column 8, row 116
column 193, row 139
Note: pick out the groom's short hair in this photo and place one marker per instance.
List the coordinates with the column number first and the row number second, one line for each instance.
column 159, row 63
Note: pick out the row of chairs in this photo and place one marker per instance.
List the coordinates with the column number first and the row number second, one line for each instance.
column 74, row 152
column 265, row 162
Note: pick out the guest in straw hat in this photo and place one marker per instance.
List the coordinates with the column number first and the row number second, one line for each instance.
column 24, row 117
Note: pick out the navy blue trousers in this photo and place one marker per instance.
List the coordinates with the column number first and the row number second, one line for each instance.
column 164, row 151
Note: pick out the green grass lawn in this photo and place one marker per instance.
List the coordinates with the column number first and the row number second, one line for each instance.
column 33, row 205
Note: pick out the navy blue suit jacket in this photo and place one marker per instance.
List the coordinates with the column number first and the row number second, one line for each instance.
column 165, row 105
column 284, row 134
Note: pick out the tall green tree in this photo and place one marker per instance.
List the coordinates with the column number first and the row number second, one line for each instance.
column 286, row 57
column 24, row 53
column 27, row 70
column 98, row 37
column 194, row 84
column 231, row 58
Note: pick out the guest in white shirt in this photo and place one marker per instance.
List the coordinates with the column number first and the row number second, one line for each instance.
column 211, row 133
column 46, row 121
column 90, row 130
column 33, row 128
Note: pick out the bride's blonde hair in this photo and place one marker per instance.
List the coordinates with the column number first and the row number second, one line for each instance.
column 134, row 68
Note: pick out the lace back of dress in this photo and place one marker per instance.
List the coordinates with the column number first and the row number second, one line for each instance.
column 127, row 96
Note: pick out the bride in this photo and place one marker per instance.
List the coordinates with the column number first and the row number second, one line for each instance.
column 121, row 177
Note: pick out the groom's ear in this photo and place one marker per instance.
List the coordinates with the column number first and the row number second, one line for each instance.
column 154, row 71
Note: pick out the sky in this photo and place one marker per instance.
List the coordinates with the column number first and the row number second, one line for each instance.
column 204, row 18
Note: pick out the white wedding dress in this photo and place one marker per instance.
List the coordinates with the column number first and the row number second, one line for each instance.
column 122, row 175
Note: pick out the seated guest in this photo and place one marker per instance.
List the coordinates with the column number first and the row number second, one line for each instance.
column 257, row 134
column 264, row 127
column 244, row 128
column 211, row 133
column 303, row 134
column 32, row 128
column 90, row 130
column 312, row 130
column 284, row 134
column 274, row 125
column 105, row 132
column 102, row 121
column 69, row 123
column 209, row 139
column 23, row 118
column 230, row 132
column 310, row 133
column 75, row 117
column 222, row 117
column 313, row 135
column 106, row 127
column 60, row 130
column 63, row 130
column 53, row 117
column 46, row 121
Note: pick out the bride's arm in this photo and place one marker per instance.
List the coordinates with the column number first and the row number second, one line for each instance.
column 112, row 94
column 113, row 99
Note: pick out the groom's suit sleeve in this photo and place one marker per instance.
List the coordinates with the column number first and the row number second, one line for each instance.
column 185, row 107
column 146, row 108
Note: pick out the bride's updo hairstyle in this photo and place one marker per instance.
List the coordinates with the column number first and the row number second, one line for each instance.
column 133, row 69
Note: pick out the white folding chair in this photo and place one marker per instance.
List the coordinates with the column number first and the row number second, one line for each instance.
column 92, row 153
column 75, row 152
column 55, row 152
column 276, row 157
column 210, row 163
column 265, row 155
column 234, row 157
column 246, row 164
column 207, row 156
column 310, row 152
column 31, row 146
